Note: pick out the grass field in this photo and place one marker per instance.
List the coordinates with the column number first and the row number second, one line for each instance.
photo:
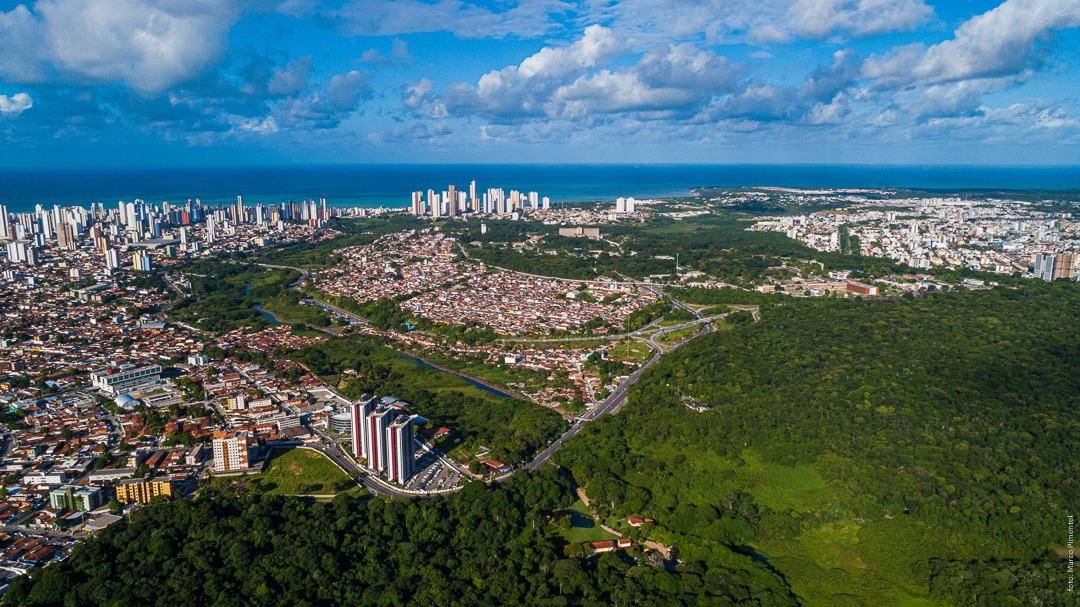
column 635, row 351
column 679, row 335
column 583, row 528
column 304, row 471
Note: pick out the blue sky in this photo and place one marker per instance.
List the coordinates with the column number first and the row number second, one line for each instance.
column 193, row 82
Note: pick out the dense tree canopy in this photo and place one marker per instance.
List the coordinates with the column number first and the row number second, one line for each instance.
column 909, row 431
column 481, row 547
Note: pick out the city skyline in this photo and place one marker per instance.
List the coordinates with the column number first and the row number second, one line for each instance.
column 809, row 81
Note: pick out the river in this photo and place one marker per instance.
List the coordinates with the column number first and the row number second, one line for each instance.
column 466, row 378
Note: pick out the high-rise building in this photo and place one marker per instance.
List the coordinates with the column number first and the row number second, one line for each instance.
column 376, row 426
column 361, row 440
column 1065, row 266
column 231, row 450
column 472, row 195
column 1044, row 266
column 625, row 205
column 400, row 450
column 141, row 262
column 18, row 251
column 452, row 201
column 418, row 203
column 112, row 259
column 5, row 227
column 435, row 204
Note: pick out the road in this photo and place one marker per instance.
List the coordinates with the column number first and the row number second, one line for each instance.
column 612, row 404
column 357, row 473
column 303, row 273
column 336, row 310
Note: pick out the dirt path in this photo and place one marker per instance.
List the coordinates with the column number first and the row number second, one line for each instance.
column 584, row 498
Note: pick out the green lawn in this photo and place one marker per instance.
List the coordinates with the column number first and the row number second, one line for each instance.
column 303, row 471
column 583, row 528
column 634, row 351
column 681, row 334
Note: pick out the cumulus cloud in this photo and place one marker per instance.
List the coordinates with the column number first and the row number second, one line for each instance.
column 760, row 21
column 149, row 45
column 525, row 19
column 991, row 51
column 417, row 94
column 664, row 82
column 821, row 18
column 15, row 104
column 290, row 79
column 1001, row 43
column 524, row 90
column 399, row 53
column 22, row 56
column 341, row 97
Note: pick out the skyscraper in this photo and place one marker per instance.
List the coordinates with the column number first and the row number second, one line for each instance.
column 375, row 427
column 361, row 440
column 5, row 227
column 452, row 201
column 400, row 450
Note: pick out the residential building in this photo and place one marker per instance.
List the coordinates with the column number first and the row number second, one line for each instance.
column 231, row 450
column 72, row 497
column 143, row 491
column 359, row 412
column 375, row 427
column 400, row 450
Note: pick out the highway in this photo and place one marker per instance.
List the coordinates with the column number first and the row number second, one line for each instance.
column 612, row 404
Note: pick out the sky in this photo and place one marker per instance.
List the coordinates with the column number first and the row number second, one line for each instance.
column 89, row 83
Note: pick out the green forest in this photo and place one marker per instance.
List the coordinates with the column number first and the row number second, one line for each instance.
column 906, row 452
column 480, row 547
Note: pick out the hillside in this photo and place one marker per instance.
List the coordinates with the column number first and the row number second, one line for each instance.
column 912, row 452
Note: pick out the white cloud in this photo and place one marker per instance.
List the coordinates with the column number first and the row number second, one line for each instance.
column 21, row 51
column 262, row 127
column 596, row 46
column 524, row 90
column 15, row 104
column 1001, row 43
column 399, row 49
column 290, row 79
column 342, row 96
column 149, row 45
column 758, row 21
column 525, row 19
column 665, row 80
column 417, row 94
column 820, row 18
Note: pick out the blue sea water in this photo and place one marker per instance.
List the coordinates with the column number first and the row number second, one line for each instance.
column 390, row 185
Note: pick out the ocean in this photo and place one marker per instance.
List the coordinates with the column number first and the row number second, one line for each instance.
column 390, row 185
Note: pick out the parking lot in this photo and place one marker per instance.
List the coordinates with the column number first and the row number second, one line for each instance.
column 432, row 474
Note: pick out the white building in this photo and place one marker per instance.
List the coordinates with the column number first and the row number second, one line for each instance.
column 115, row 380
column 231, row 451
